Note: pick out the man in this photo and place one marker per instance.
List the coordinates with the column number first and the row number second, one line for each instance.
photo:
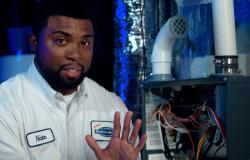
column 46, row 112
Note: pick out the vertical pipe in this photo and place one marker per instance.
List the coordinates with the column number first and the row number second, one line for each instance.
column 224, row 27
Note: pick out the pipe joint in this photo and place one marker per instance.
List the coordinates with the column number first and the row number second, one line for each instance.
column 226, row 65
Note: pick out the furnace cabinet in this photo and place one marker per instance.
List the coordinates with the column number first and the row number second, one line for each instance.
column 228, row 96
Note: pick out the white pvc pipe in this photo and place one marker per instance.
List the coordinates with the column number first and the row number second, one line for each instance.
column 224, row 27
column 161, row 58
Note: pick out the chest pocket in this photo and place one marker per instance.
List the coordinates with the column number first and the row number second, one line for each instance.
column 45, row 152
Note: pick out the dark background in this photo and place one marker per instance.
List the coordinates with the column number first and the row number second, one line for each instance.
column 18, row 13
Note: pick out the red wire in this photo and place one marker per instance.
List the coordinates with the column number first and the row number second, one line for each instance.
column 167, row 116
column 220, row 126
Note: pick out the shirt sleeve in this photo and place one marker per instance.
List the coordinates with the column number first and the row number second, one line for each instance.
column 11, row 147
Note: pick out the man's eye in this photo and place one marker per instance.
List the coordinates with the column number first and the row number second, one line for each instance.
column 60, row 42
column 85, row 43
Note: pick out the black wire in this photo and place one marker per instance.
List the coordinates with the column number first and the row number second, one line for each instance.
column 219, row 148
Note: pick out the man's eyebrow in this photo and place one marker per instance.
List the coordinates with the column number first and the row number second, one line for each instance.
column 61, row 32
column 88, row 36
column 68, row 35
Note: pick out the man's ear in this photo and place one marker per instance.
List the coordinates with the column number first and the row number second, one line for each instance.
column 33, row 42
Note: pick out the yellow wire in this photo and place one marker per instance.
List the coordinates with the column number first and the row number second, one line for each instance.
column 199, row 146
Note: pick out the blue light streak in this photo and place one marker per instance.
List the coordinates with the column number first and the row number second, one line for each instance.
column 121, row 81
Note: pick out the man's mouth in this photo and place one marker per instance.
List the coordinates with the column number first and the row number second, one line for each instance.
column 71, row 71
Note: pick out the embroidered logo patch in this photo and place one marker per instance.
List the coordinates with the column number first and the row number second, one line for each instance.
column 102, row 130
column 40, row 137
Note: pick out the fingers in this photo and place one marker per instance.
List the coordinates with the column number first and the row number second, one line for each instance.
column 135, row 131
column 141, row 143
column 117, row 125
column 126, row 130
column 126, row 126
column 93, row 145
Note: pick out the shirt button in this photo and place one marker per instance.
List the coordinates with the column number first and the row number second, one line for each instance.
column 58, row 96
column 52, row 110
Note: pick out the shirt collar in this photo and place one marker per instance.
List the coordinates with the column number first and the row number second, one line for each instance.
column 43, row 85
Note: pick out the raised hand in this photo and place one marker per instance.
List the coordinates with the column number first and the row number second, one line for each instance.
column 120, row 148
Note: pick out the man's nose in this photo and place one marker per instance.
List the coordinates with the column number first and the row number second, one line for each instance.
column 74, row 52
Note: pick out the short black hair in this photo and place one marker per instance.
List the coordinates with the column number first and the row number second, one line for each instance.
column 80, row 9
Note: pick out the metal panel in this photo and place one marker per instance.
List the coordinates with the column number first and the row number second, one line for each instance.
column 232, row 105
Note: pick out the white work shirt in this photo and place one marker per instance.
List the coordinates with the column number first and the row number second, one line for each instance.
column 37, row 124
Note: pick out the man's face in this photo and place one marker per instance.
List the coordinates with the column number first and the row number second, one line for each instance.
column 64, row 52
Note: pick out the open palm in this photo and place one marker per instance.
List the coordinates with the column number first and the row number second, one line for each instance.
column 120, row 148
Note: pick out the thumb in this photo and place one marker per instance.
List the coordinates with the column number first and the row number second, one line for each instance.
column 93, row 145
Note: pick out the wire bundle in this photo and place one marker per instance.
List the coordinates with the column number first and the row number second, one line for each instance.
column 169, row 120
